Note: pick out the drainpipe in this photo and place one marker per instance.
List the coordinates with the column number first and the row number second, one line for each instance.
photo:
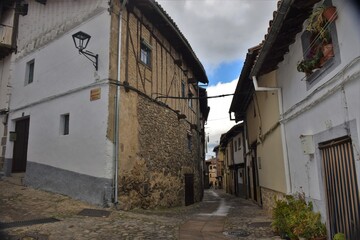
column 282, row 128
column 117, row 111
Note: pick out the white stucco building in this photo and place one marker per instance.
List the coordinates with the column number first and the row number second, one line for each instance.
column 319, row 108
column 84, row 128
column 304, row 81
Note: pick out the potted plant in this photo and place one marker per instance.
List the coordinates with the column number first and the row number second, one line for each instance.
column 321, row 47
column 330, row 13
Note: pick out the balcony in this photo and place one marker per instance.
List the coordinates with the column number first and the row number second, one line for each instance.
column 7, row 23
column 6, row 33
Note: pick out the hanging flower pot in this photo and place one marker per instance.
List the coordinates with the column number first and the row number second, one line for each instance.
column 330, row 13
column 327, row 51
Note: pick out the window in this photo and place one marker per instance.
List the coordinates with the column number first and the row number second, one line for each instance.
column 190, row 103
column 320, row 44
column 182, row 89
column 235, row 145
column 29, row 77
column 189, row 141
column 64, row 124
column 239, row 143
column 145, row 53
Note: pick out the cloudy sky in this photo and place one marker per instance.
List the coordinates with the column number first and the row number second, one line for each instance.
column 220, row 32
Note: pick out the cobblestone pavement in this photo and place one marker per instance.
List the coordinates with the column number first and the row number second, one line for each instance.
column 235, row 218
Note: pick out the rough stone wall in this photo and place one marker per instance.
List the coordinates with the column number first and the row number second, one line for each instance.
column 268, row 199
column 157, row 176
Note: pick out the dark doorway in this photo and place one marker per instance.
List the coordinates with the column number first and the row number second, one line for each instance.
column 20, row 145
column 189, row 189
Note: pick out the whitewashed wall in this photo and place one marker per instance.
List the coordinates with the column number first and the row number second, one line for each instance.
column 305, row 114
column 239, row 153
column 62, row 83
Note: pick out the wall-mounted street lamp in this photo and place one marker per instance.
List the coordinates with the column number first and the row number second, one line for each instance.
column 81, row 41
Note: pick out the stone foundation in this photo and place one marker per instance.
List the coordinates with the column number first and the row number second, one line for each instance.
column 157, row 176
column 268, row 199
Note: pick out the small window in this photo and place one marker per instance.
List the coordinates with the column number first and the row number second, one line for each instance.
column 145, row 53
column 64, row 124
column 189, row 143
column 235, row 145
column 29, row 78
column 190, row 103
column 182, row 89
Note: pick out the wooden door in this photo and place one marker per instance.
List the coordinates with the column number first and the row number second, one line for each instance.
column 20, row 145
column 189, row 189
column 343, row 200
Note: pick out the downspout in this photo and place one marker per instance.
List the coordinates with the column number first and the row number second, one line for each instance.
column 282, row 129
column 117, row 112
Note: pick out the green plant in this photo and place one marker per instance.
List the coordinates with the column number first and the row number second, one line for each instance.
column 318, row 26
column 286, row 214
column 316, row 21
column 339, row 236
column 293, row 217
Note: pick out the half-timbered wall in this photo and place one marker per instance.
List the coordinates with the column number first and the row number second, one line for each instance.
column 153, row 140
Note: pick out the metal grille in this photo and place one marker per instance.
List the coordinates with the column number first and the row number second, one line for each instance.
column 341, row 187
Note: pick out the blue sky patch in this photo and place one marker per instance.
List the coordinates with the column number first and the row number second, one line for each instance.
column 225, row 72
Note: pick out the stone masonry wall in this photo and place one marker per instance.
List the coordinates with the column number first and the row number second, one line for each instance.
column 268, row 199
column 157, row 177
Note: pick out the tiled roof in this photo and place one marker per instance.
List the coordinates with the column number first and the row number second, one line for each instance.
column 287, row 22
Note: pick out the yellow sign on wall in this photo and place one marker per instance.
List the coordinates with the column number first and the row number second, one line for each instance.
column 95, row 94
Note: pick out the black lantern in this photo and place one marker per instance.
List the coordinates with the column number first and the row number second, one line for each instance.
column 81, row 41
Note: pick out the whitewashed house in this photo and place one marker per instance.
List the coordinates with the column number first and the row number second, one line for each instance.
column 232, row 145
column 90, row 121
column 318, row 107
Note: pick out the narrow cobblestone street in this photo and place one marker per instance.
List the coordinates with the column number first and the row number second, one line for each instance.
column 218, row 216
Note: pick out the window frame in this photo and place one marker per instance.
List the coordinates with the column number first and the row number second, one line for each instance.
column 145, row 53
column 331, row 63
column 29, row 72
column 65, row 124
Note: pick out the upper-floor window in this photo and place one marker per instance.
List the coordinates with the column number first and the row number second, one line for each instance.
column 182, row 89
column 64, row 124
column 29, row 73
column 145, row 53
column 320, row 44
column 235, row 146
column 190, row 102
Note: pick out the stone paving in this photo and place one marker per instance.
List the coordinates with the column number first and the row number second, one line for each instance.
column 235, row 219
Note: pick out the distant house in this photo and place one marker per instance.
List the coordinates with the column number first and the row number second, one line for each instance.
column 309, row 141
column 232, row 145
column 219, row 165
column 212, row 166
column 120, row 121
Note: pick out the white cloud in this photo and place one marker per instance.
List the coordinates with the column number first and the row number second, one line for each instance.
column 218, row 120
column 221, row 31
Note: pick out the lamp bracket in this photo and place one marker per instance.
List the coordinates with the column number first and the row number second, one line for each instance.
column 94, row 58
